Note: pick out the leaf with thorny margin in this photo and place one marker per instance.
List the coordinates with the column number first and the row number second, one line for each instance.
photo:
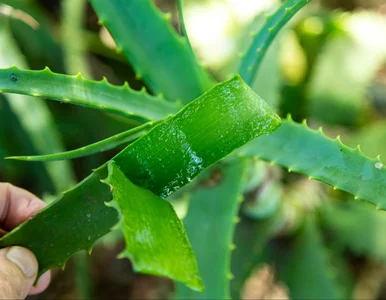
column 167, row 158
column 252, row 59
column 132, row 25
column 303, row 150
column 210, row 223
column 153, row 232
column 121, row 100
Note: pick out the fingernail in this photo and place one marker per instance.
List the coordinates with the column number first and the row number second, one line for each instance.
column 24, row 259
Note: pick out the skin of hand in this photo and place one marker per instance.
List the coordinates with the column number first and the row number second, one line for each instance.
column 18, row 266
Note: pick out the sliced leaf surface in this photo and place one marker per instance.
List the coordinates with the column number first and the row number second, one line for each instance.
column 202, row 133
column 162, row 161
column 303, row 150
column 132, row 23
column 121, row 100
column 156, row 241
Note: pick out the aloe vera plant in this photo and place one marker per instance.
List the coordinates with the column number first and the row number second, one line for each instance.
column 193, row 138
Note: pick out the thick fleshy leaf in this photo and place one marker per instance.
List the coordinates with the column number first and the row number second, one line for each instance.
column 210, row 223
column 252, row 59
column 168, row 157
column 132, row 23
column 121, row 100
column 156, row 241
column 310, row 152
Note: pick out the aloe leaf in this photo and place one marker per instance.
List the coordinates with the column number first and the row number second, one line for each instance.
column 342, row 220
column 303, row 150
column 121, row 100
column 306, row 269
column 210, row 224
column 232, row 123
column 67, row 226
column 156, row 241
column 104, row 145
column 251, row 237
column 132, row 25
column 252, row 59
column 72, row 36
column 35, row 116
column 33, row 30
column 163, row 160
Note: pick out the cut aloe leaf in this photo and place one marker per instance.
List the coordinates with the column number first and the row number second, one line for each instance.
column 163, row 160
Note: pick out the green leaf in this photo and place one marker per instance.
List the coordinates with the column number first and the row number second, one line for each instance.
column 165, row 159
column 234, row 114
column 252, row 59
column 210, row 224
column 303, row 150
column 68, row 225
column 251, row 237
column 35, row 116
column 358, row 227
column 306, row 269
column 121, row 100
column 73, row 40
column 156, row 241
column 132, row 23
column 33, row 30
column 104, row 145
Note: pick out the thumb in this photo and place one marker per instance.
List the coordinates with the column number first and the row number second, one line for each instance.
column 18, row 269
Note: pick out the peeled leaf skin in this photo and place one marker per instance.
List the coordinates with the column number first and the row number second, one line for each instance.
column 229, row 115
column 156, row 241
column 121, row 100
column 310, row 152
column 202, row 133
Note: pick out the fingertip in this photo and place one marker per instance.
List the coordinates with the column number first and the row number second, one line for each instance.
column 43, row 283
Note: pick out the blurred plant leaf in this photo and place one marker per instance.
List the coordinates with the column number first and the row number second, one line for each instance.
column 73, row 38
column 210, row 223
column 251, row 237
column 303, row 150
column 35, row 116
column 132, row 25
column 35, row 35
column 358, row 227
column 344, row 69
column 121, row 100
column 263, row 38
column 306, row 269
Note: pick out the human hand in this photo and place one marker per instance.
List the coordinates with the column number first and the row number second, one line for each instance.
column 18, row 266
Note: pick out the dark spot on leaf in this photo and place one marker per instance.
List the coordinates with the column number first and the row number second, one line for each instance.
column 13, row 77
